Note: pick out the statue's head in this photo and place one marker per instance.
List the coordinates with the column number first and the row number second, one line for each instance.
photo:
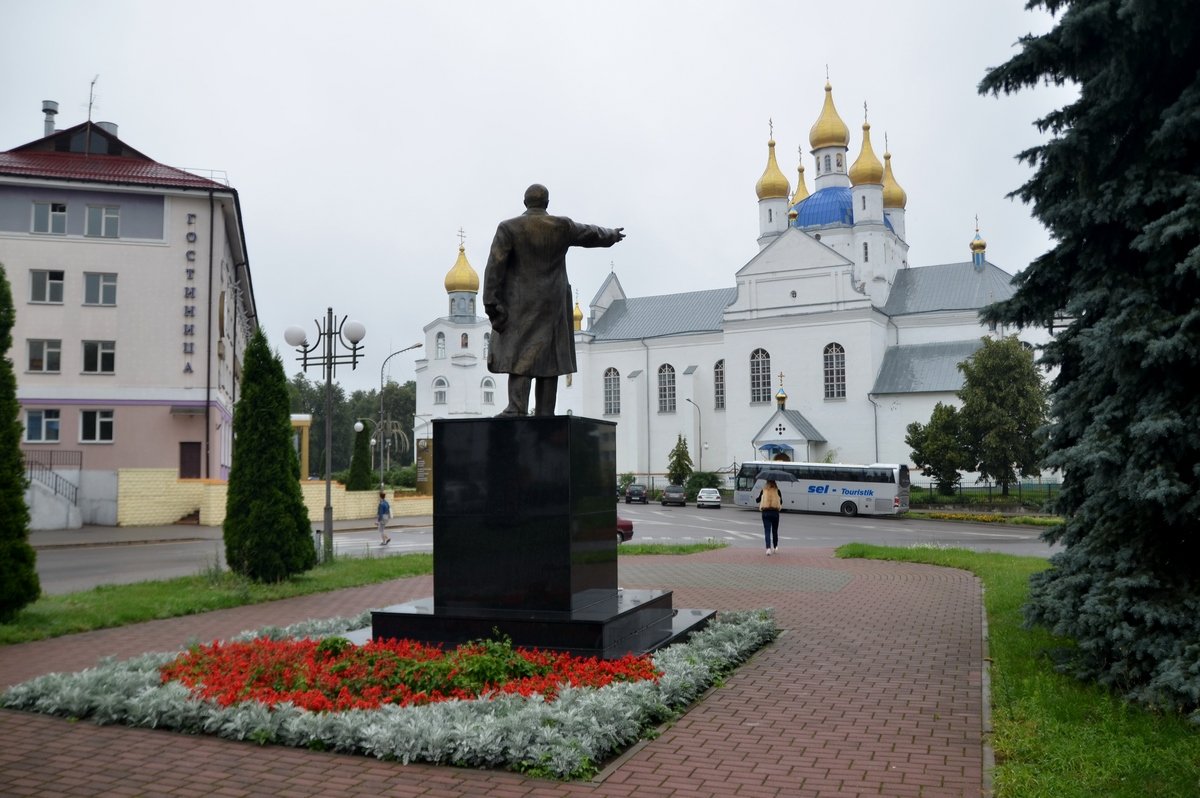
column 537, row 196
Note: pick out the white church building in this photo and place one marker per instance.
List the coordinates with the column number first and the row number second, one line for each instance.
column 827, row 346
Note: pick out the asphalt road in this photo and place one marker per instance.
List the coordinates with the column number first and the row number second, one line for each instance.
column 126, row 556
column 738, row 526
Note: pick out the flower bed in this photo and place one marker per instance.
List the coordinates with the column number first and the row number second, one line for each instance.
column 564, row 730
column 335, row 675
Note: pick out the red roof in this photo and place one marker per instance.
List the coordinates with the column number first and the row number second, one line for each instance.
column 63, row 155
column 100, row 169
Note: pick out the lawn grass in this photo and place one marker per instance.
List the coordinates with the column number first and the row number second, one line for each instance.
column 1053, row 735
column 216, row 589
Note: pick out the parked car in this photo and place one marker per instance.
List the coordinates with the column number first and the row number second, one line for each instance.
column 635, row 493
column 624, row 529
column 674, row 494
column 709, row 497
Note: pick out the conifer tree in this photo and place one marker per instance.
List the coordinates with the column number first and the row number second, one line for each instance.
column 1118, row 186
column 19, row 583
column 360, row 477
column 267, row 532
column 679, row 463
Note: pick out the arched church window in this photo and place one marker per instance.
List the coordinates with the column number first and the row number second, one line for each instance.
column 487, row 343
column 864, row 202
column 770, row 215
column 463, row 341
column 866, row 251
column 839, row 160
column 827, row 167
column 666, row 388
column 488, row 386
column 760, row 376
column 440, row 386
column 719, row 385
column 612, row 392
column 440, row 352
column 835, row 371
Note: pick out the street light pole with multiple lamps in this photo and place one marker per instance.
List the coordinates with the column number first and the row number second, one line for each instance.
column 329, row 337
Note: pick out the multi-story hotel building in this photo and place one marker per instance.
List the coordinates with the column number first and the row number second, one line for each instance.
column 133, row 304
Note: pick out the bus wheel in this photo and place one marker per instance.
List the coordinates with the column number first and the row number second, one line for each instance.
column 849, row 509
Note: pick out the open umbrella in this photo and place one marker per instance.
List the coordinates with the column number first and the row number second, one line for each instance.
column 776, row 475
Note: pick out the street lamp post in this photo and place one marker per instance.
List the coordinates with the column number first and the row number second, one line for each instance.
column 699, row 436
column 380, row 427
column 329, row 337
column 358, row 427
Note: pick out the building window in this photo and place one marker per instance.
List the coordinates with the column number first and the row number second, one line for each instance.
column 719, row 385
column 50, row 218
column 839, row 160
column 760, row 376
column 827, row 167
column 41, row 426
column 770, row 215
column 864, row 201
column 45, row 355
column 835, row 372
column 103, row 221
column 489, row 391
column 96, row 426
column 439, row 390
column 612, row 392
column 487, row 343
column 463, row 341
column 101, row 289
column 46, row 286
column 866, row 249
column 440, row 351
column 99, row 357
column 666, row 388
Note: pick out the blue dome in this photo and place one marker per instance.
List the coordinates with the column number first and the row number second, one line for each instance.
column 832, row 205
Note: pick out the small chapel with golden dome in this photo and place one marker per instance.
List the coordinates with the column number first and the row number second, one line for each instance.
column 828, row 343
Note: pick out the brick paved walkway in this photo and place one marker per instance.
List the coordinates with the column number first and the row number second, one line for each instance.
column 874, row 688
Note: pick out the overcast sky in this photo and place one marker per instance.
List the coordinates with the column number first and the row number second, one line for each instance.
column 361, row 136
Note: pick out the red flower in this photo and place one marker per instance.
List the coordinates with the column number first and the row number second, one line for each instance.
column 336, row 675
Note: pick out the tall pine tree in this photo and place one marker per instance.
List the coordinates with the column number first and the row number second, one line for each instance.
column 1118, row 186
column 19, row 584
column 267, row 532
column 360, row 476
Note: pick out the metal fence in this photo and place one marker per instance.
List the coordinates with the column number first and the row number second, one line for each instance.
column 1040, row 490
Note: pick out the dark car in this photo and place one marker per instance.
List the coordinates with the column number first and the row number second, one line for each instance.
column 635, row 493
column 674, row 494
column 624, row 529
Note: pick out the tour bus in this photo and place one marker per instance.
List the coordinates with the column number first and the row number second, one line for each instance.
column 876, row 489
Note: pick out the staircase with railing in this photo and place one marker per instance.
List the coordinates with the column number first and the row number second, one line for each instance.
column 43, row 467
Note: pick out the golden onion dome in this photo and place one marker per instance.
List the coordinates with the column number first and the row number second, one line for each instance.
column 867, row 169
column 772, row 184
column 893, row 195
column 801, row 189
column 578, row 316
column 977, row 243
column 461, row 276
column 829, row 130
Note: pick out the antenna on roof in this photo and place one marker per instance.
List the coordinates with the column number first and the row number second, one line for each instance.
column 87, row 138
column 92, row 97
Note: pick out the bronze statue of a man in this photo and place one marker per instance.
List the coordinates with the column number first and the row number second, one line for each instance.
column 528, row 300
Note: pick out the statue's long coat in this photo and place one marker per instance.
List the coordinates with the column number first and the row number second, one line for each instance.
column 526, row 294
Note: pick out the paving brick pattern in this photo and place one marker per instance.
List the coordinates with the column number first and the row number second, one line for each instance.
column 875, row 688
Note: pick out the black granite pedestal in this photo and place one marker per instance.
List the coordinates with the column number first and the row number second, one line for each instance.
column 525, row 543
